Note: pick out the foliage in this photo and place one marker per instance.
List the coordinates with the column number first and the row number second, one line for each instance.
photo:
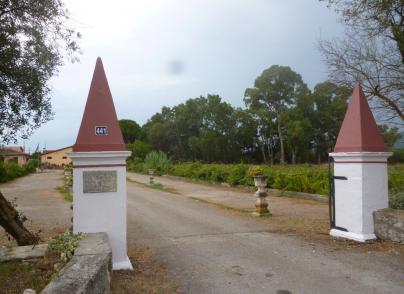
column 10, row 171
column 372, row 52
column 298, row 178
column 202, row 128
column 288, row 123
column 67, row 194
column 139, row 149
column 158, row 161
column 398, row 155
column 396, row 200
column 255, row 170
column 34, row 38
column 65, row 244
column 275, row 90
column 390, row 135
column 131, row 131
column 136, row 165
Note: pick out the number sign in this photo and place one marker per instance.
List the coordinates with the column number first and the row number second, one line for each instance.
column 101, row 131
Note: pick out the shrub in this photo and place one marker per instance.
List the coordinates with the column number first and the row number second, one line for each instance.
column 11, row 170
column 398, row 156
column 396, row 200
column 136, row 165
column 65, row 244
column 299, row 178
column 139, row 149
column 157, row 160
column 255, row 170
column 237, row 175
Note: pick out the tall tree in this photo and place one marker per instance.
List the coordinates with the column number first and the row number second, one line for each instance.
column 131, row 131
column 330, row 104
column 299, row 128
column 34, row 38
column 275, row 90
column 371, row 52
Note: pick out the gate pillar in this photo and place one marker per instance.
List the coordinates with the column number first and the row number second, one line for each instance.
column 360, row 156
column 99, row 171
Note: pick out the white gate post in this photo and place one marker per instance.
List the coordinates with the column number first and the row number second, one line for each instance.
column 99, row 171
column 360, row 155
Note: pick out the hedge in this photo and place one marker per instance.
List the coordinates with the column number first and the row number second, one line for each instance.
column 10, row 171
column 298, row 178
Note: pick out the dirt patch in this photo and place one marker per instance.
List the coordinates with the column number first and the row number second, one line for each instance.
column 18, row 275
column 147, row 277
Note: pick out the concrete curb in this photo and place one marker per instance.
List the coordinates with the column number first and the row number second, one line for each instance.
column 22, row 252
column 89, row 269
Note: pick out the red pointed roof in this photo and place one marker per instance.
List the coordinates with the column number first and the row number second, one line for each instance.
column 359, row 132
column 99, row 129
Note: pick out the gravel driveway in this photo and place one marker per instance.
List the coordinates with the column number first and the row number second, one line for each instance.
column 38, row 200
column 211, row 250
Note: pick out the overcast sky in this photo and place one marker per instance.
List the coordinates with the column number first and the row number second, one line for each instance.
column 160, row 53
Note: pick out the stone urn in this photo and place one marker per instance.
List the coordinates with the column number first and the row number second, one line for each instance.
column 261, row 205
column 151, row 174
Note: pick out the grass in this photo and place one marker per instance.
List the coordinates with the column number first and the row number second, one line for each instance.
column 66, row 192
column 156, row 186
column 18, row 275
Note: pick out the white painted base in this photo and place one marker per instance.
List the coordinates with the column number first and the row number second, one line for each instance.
column 123, row 265
column 352, row 236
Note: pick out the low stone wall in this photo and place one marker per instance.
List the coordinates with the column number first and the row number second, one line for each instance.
column 22, row 252
column 389, row 224
column 88, row 271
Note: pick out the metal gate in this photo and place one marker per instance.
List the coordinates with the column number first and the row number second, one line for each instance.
column 331, row 195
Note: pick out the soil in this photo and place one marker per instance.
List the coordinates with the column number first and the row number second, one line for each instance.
column 18, row 275
column 148, row 276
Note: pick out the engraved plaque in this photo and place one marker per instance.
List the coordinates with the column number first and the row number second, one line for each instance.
column 99, row 181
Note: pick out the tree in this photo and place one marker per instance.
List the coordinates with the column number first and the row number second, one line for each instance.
column 372, row 52
column 139, row 149
column 330, row 102
column 298, row 127
column 275, row 90
column 34, row 38
column 131, row 131
column 390, row 135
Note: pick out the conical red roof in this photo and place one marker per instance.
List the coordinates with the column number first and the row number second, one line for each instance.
column 359, row 132
column 99, row 129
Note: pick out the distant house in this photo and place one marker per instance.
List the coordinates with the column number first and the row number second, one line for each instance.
column 56, row 157
column 13, row 154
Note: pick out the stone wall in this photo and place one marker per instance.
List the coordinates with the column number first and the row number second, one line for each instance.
column 389, row 224
column 89, row 269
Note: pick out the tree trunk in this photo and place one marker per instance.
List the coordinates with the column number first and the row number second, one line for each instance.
column 281, row 140
column 11, row 221
column 263, row 153
column 293, row 157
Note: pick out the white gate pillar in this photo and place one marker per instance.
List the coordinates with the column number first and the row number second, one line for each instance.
column 360, row 155
column 99, row 171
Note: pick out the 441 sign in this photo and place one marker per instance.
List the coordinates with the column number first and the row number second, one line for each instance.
column 101, row 131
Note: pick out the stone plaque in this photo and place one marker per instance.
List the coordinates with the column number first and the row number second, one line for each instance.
column 99, row 181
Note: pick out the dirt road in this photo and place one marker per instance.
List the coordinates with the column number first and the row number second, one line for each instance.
column 38, row 200
column 211, row 250
column 208, row 249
